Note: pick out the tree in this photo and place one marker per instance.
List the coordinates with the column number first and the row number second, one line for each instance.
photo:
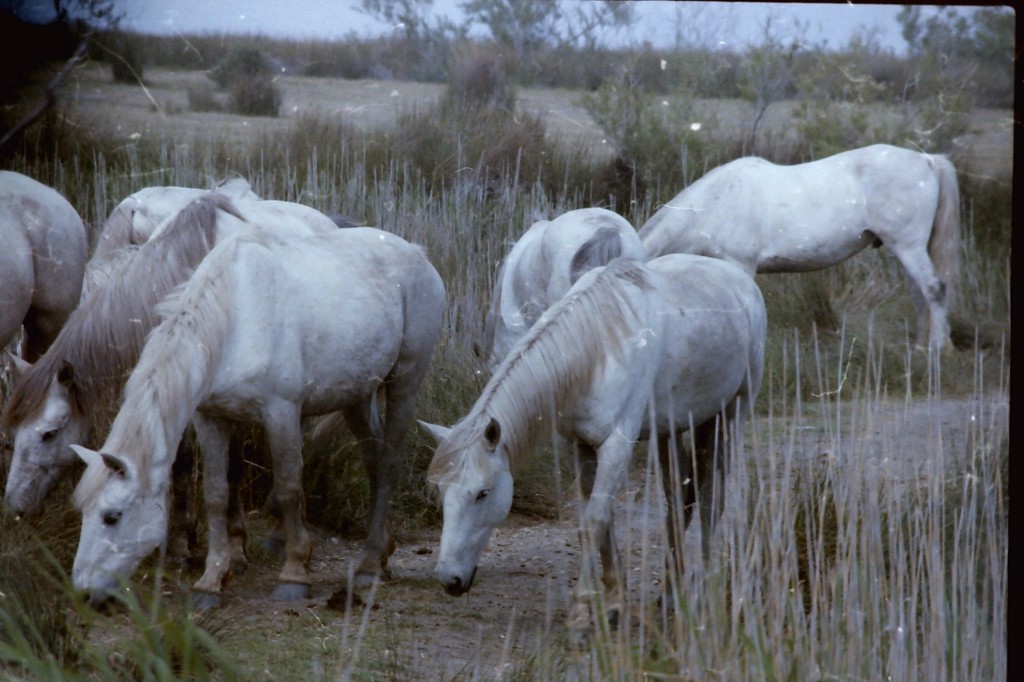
column 768, row 71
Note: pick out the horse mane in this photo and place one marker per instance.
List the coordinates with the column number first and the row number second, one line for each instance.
column 174, row 370
column 550, row 365
column 104, row 336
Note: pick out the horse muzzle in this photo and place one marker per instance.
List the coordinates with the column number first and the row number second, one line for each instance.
column 455, row 585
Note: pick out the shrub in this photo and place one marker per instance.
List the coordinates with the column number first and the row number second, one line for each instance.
column 255, row 95
column 479, row 79
column 242, row 63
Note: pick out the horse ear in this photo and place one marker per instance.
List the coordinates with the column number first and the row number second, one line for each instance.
column 116, row 464
column 492, row 434
column 20, row 365
column 438, row 432
column 85, row 454
column 66, row 374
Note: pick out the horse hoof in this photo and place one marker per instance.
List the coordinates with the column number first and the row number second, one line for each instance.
column 291, row 592
column 239, row 566
column 203, row 601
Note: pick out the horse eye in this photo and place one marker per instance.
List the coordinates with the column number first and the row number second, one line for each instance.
column 49, row 435
column 482, row 494
column 111, row 518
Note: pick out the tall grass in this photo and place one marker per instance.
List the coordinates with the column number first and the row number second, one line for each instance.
column 846, row 552
column 841, row 556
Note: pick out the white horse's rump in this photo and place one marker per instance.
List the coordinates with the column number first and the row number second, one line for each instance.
column 769, row 218
column 540, row 268
column 42, row 262
column 267, row 331
column 675, row 343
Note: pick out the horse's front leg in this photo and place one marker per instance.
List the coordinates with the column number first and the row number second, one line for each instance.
column 282, row 425
column 213, row 435
column 600, row 482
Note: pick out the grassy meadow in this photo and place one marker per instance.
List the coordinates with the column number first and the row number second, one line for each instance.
column 866, row 529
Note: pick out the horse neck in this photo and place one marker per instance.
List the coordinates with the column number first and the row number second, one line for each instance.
column 175, row 372
column 556, row 361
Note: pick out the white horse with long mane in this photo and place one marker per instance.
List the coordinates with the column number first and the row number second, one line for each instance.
column 267, row 331
column 544, row 263
column 770, row 218
column 633, row 351
column 55, row 398
column 42, row 262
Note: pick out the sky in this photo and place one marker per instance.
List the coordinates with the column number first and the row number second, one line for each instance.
column 718, row 24
column 724, row 24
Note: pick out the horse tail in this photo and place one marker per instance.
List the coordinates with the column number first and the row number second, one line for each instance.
column 601, row 249
column 944, row 243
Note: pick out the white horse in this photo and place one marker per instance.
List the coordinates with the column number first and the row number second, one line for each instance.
column 55, row 399
column 134, row 220
column 769, row 218
column 43, row 247
column 632, row 352
column 544, row 263
column 266, row 331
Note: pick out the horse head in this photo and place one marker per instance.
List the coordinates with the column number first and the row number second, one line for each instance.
column 474, row 481
column 123, row 521
column 42, row 442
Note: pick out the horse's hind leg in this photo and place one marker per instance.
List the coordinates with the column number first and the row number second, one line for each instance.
column 381, row 472
column 930, row 301
column 710, row 458
column 284, row 434
column 181, row 534
column 680, row 495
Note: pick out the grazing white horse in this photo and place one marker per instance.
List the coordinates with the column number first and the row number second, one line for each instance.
column 769, row 218
column 544, row 263
column 42, row 262
column 267, row 331
column 631, row 352
column 55, row 399
column 134, row 220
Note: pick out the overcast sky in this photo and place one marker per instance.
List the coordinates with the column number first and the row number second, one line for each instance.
column 722, row 24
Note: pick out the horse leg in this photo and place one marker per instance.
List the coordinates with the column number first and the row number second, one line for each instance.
column 596, row 528
column 680, row 490
column 181, row 535
column 213, row 436
column 710, row 462
column 284, row 433
column 611, row 575
column 366, row 427
column 39, row 331
column 932, row 320
column 238, row 536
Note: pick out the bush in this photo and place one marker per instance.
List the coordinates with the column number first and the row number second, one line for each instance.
column 241, row 64
column 255, row 95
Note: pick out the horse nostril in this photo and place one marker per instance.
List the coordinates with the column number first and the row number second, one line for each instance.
column 454, row 586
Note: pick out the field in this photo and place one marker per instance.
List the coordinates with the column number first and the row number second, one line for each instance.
column 865, row 533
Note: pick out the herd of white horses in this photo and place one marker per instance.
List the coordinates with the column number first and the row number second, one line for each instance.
column 211, row 308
